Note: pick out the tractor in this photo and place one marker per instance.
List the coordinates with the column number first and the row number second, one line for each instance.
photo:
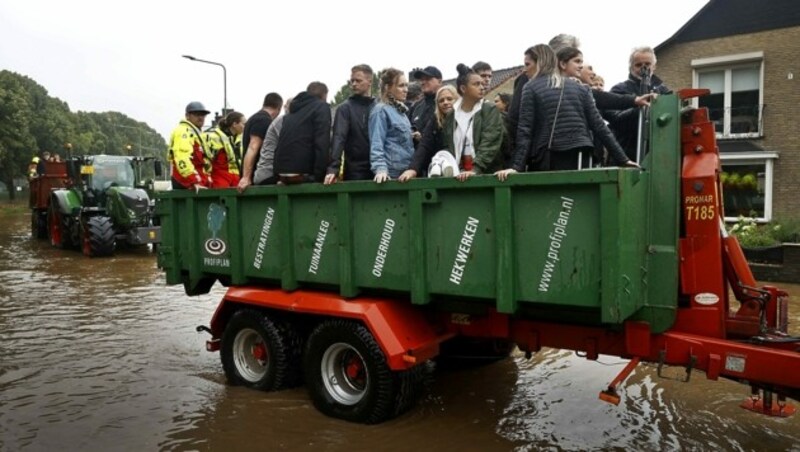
column 104, row 205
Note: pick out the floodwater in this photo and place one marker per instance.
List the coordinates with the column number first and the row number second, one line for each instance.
column 99, row 354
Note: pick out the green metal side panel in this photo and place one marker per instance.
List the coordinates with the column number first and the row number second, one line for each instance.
column 663, row 215
column 600, row 241
column 380, row 246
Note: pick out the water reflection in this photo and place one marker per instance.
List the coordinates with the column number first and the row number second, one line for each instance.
column 98, row 354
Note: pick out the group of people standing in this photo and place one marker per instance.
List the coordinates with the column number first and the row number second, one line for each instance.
column 553, row 121
column 36, row 166
column 205, row 159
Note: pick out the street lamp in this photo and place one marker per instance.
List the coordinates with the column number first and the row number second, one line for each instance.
column 224, row 80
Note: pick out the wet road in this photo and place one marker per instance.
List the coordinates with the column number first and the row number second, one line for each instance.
column 98, row 354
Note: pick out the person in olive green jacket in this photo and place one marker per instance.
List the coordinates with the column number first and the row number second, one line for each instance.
column 473, row 132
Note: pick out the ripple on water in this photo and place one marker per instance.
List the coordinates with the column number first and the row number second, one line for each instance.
column 99, row 354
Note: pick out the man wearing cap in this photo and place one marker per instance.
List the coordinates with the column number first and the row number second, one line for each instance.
column 422, row 112
column 187, row 150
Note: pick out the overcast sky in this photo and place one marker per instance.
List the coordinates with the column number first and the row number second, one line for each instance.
column 126, row 56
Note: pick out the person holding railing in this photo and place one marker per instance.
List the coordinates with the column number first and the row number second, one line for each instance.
column 629, row 125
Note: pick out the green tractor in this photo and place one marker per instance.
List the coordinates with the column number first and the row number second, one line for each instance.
column 105, row 205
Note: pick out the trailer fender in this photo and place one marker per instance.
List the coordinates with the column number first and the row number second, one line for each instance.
column 402, row 330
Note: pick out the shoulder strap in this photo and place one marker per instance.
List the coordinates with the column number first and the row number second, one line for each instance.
column 558, row 108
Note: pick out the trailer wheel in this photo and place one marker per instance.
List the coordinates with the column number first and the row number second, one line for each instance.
column 58, row 228
column 39, row 224
column 260, row 353
column 348, row 377
column 98, row 237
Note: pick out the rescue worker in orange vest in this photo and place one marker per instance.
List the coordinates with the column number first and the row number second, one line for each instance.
column 188, row 150
column 224, row 161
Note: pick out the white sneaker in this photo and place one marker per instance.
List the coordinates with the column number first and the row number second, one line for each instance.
column 435, row 170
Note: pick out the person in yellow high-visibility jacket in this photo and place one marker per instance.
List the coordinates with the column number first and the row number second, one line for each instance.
column 32, row 173
column 224, row 161
column 188, row 150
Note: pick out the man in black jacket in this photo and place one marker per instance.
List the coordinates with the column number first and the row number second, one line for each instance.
column 350, row 131
column 625, row 122
column 305, row 139
column 423, row 112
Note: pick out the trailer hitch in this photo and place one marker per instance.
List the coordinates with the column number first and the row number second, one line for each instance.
column 213, row 344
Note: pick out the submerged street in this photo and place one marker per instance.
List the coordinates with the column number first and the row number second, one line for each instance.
column 99, row 354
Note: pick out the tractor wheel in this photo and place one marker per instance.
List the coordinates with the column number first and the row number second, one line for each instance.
column 260, row 352
column 348, row 377
column 39, row 224
column 97, row 237
column 58, row 228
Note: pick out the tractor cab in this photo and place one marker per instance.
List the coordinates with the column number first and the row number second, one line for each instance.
column 111, row 171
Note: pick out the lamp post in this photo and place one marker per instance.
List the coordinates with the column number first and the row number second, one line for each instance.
column 224, row 80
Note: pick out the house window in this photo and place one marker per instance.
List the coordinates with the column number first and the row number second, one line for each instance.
column 735, row 103
column 747, row 185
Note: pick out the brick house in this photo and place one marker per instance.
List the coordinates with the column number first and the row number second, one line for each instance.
column 748, row 54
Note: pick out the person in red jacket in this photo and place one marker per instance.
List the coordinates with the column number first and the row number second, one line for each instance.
column 224, row 163
column 188, row 150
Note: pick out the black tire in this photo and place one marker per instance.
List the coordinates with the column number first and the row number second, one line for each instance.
column 348, row 377
column 98, row 237
column 39, row 224
column 261, row 353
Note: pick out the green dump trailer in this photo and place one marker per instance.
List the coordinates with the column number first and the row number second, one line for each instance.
column 354, row 285
column 583, row 244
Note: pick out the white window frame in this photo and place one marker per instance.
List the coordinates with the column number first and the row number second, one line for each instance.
column 755, row 158
column 727, row 64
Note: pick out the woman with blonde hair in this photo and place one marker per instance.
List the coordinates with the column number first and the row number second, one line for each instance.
column 432, row 140
column 391, row 145
column 557, row 119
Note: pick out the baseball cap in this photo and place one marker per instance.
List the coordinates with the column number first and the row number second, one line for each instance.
column 430, row 71
column 196, row 107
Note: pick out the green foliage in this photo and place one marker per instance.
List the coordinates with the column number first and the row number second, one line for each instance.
column 751, row 234
column 786, row 230
column 32, row 122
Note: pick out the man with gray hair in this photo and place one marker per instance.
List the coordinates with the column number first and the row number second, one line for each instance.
column 641, row 80
column 563, row 40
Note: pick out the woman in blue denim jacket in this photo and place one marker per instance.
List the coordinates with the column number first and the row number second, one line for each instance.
column 390, row 143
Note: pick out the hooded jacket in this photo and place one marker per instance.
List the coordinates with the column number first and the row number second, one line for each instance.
column 305, row 139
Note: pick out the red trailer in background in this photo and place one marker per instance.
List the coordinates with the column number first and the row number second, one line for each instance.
column 54, row 176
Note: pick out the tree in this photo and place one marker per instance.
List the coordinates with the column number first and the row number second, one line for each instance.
column 17, row 144
column 31, row 121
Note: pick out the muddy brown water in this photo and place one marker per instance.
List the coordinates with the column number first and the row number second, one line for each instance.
column 99, row 354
